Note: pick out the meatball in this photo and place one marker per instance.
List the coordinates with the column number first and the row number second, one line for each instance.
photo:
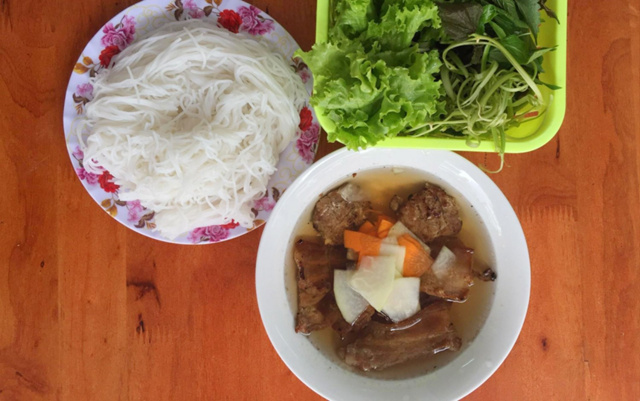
column 429, row 213
column 339, row 210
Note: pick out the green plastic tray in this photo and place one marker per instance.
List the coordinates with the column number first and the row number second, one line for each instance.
column 528, row 136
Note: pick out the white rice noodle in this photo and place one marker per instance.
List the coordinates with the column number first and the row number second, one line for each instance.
column 191, row 120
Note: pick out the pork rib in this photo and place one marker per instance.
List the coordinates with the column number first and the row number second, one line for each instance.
column 382, row 345
column 455, row 285
column 315, row 263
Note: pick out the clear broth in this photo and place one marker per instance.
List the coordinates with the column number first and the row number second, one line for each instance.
column 468, row 317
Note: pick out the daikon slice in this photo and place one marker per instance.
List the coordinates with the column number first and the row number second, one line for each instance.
column 446, row 260
column 390, row 240
column 397, row 251
column 399, row 229
column 404, row 300
column 350, row 303
column 373, row 279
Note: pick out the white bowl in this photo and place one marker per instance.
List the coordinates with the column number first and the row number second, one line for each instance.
column 477, row 361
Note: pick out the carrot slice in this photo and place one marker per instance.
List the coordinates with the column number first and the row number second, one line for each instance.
column 383, row 228
column 416, row 260
column 368, row 228
column 382, row 217
column 365, row 245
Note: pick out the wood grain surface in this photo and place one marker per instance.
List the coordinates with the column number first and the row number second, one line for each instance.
column 92, row 311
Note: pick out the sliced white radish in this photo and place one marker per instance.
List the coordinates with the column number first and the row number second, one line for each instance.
column 373, row 279
column 399, row 229
column 397, row 252
column 350, row 303
column 390, row 240
column 404, row 300
column 445, row 261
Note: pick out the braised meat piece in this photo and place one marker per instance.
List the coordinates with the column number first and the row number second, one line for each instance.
column 346, row 331
column 453, row 282
column 429, row 213
column 339, row 210
column 315, row 263
column 363, row 319
column 382, row 345
column 310, row 318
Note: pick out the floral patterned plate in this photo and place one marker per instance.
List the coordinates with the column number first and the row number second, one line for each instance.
column 234, row 15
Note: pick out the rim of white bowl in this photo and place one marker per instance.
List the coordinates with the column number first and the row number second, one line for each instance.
column 484, row 354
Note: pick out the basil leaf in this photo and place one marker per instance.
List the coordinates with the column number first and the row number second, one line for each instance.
column 460, row 20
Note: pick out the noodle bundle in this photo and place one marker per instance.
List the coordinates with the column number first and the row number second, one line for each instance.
column 190, row 120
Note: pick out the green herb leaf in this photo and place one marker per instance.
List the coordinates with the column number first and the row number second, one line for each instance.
column 509, row 24
column 550, row 86
column 460, row 20
column 550, row 12
column 539, row 53
column 500, row 33
column 519, row 48
column 489, row 12
column 507, row 5
column 530, row 11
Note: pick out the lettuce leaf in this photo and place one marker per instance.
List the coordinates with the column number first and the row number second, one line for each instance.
column 400, row 21
column 352, row 17
column 372, row 80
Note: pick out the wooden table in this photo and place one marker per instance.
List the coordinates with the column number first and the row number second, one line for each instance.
column 90, row 310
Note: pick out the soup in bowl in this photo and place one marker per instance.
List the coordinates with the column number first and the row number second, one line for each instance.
column 393, row 274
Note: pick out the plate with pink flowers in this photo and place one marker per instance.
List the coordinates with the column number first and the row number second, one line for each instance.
column 139, row 19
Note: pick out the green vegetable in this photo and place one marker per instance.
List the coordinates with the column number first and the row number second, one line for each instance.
column 550, row 12
column 509, row 6
column 489, row 12
column 352, row 17
column 530, row 12
column 460, row 20
column 484, row 101
column 371, row 79
column 518, row 47
column 461, row 68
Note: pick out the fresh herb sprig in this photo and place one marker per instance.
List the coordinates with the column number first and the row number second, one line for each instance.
column 497, row 87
